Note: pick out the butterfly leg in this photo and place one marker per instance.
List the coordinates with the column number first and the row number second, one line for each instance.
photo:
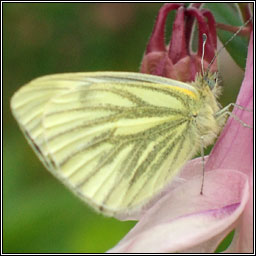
column 225, row 111
column 203, row 163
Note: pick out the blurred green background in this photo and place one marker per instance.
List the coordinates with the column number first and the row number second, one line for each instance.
column 40, row 215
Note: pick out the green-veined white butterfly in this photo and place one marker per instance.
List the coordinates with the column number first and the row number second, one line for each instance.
column 115, row 138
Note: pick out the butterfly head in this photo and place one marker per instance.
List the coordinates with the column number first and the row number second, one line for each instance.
column 208, row 83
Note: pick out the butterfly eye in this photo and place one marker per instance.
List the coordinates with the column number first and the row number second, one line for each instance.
column 210, row 80
column 211, row 83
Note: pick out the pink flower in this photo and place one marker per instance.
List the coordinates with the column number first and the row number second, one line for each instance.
column 177, row 60
column 182, row 220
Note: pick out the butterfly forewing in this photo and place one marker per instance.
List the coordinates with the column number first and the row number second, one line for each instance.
column 115, row 139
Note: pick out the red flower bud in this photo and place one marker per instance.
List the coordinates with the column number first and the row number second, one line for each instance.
column 177, row 60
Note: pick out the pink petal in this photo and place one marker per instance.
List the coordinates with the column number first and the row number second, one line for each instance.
column 234, row 148
column 184, row 219
column 178, row 46
column 243, row 239
column 156, row 42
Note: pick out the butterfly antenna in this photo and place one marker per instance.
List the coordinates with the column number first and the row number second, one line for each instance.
column 225, row 44
column 202, row 59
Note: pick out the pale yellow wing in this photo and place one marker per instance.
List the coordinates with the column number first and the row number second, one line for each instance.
column 115, row 139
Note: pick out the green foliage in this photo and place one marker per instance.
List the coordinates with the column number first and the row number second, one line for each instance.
column 226, row 242
column 227, row 13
